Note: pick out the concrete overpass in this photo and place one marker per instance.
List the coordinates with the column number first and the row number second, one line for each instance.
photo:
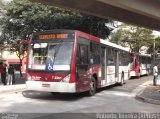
column 145, row 13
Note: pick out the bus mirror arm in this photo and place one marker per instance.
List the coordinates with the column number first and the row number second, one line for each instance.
column 88, row 66
column 91, row 61
column 77, row 75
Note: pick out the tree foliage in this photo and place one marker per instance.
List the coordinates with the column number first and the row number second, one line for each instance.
column 157, row 46
column 24, row 17
column 20, row 18
column 135, row 36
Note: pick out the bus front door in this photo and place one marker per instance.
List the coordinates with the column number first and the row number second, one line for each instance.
column 82, row 67
column 103, row 62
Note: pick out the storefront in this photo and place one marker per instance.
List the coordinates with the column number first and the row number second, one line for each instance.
column 16, row 64
column 2, row 60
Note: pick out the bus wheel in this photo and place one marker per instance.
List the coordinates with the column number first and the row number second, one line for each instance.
column 139, row 75
column 122, row 79
column 129, row 77
column 55, row 93
column 92, row 87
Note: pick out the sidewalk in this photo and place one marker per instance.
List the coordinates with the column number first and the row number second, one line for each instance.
column 12, row 88
column 150, row 93
column 20, row 85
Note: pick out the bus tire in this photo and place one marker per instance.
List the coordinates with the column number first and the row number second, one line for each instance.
column 92, row 87
column 55, row 93
column 147, row 72
column 122, row 79
column 139, row 74
column 129, row 77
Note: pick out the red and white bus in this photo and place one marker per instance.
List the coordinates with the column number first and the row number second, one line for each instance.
column 70, row 61
column 140, row 65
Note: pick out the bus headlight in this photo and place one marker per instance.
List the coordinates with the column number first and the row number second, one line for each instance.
column 66, row 79
column 29, row 78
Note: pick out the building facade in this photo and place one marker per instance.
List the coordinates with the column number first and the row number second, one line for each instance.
column 9, row 57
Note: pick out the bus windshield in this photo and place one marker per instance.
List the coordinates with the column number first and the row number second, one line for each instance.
column 50, row 56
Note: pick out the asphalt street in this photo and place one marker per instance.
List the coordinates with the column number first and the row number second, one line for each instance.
column 113, row 99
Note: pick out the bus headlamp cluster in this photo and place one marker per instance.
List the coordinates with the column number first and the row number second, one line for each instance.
column 31, row 78
column 66, row 79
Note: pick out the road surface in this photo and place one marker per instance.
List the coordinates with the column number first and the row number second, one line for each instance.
column 113, row 99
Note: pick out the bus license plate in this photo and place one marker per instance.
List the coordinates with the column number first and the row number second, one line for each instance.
column 46, row 85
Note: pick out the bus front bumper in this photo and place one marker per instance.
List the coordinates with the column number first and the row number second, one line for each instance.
column 51, row 86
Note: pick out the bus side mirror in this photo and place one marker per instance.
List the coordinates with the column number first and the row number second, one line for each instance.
column 77, row 75
column 21, row 49
column 91, row 61
column 23, row 45
column 77, row 60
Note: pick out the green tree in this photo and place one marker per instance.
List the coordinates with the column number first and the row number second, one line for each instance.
column 132, row 35
column 117, row 37
column 25, row 17
column 20, row 18
column 157, row 46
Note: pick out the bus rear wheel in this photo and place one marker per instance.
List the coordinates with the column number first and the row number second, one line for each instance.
column 92, row 87
column 55, row 93
column 139, row 74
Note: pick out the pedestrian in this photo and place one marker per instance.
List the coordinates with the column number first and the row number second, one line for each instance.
column 155, row 74
column 10, row 75
column 1, row 70
column 3, row 75
column 13, row 81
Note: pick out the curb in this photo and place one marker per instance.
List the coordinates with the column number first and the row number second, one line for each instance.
column 15, row 88
column 144, row 99
column 148, row 100
column 12, row 91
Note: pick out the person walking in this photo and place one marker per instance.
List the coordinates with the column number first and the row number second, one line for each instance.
column 3, row 75
column 1, row 70
column 155, row 75
column 10, row 75
column 13, row 80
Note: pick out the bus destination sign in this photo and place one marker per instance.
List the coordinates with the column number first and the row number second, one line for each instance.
column 52, row 36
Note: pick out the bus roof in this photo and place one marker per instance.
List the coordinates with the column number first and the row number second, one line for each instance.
column 145, row 55
column 55, row 30
column 106, row 42
column 114, row 45
column 89, row 36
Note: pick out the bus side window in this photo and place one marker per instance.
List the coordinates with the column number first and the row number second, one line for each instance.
column 82, row 54
column 110, row 56
column 94, row 53
column 120, row 58
column 78, row 57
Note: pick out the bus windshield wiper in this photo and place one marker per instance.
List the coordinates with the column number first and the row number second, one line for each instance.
column 56, row 51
